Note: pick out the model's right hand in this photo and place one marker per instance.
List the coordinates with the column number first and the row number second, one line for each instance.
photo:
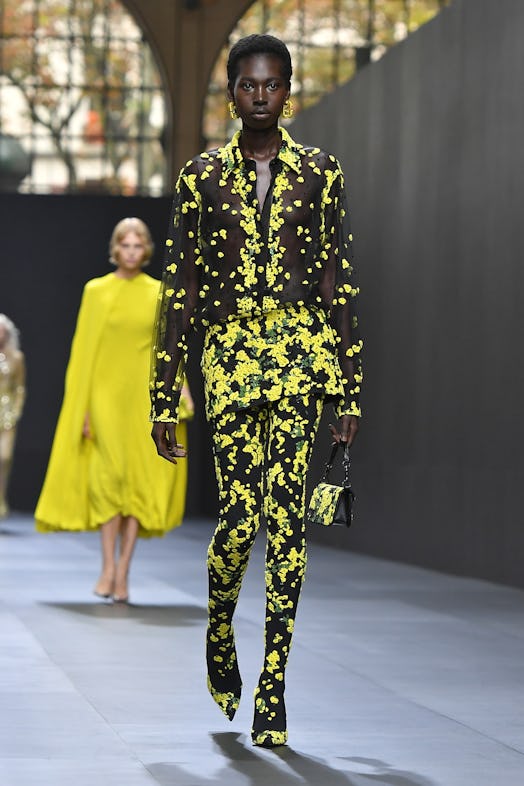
column 86, row 428
column 164, row 437
column 346, row 429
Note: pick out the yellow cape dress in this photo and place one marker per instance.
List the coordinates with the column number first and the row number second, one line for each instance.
column 88, row 481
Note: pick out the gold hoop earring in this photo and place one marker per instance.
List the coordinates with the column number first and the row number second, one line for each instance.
column 287, row 109
column 232, row 111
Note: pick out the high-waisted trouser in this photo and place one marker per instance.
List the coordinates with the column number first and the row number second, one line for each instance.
column 261, row 459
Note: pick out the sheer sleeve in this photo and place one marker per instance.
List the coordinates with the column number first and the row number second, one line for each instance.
column 338, row 286
column 178, row 296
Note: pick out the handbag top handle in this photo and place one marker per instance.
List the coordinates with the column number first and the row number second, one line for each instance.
column 346, row 463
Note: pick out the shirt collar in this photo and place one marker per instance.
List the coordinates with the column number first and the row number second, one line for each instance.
column 289, row 153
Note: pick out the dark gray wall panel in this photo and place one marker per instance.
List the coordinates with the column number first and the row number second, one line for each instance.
column 431, row 142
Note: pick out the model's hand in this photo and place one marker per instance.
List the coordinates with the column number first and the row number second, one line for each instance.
column 346, row 429
column 164, row 437
column 86, row 428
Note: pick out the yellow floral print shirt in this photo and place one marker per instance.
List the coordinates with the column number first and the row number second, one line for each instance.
column 229, row 259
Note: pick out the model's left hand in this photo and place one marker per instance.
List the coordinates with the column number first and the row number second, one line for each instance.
column 346, row 429
column 164, row 437
column 86, row 428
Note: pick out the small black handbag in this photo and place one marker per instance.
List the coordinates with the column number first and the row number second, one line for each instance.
column 330, row 504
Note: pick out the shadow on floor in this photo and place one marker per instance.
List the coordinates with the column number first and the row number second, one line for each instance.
column 165, row 616
column 8, row 531
column 283, row 767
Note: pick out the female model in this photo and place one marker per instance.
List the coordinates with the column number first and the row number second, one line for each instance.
column 258, row 255
column 103, row 473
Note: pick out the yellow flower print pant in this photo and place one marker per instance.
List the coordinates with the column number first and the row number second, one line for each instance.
column 261, row 459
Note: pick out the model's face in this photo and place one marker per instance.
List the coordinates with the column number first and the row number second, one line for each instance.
column 130, row 252
column 260, row 91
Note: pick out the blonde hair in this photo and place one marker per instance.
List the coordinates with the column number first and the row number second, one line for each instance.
column 12, row 332
column 123, row 228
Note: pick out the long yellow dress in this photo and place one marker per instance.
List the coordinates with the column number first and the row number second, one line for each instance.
column 88, row 481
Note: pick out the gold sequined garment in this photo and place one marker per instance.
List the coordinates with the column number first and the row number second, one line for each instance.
column 12, row 390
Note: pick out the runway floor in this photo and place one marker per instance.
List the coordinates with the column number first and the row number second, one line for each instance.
column 398, row 676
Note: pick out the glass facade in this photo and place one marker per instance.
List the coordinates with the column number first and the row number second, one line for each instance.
column 82, row 105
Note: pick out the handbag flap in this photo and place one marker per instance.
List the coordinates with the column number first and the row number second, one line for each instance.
column 324, row 503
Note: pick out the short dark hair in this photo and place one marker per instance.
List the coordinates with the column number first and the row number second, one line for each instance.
column 258, row 45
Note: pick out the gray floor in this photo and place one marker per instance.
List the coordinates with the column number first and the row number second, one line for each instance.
column 398, row 676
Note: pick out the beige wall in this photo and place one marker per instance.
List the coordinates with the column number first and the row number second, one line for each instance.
column 186, row 43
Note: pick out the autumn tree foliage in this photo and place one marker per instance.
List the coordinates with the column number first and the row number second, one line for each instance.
column 78, row 66
column 328, row 40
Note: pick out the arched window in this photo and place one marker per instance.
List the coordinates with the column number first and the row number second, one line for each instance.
column 81, row 100
column 328, row 40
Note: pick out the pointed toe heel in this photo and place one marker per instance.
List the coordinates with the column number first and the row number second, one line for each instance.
column 121, row 599
column 228, row 701
column 223, row 676
column 102, row 595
